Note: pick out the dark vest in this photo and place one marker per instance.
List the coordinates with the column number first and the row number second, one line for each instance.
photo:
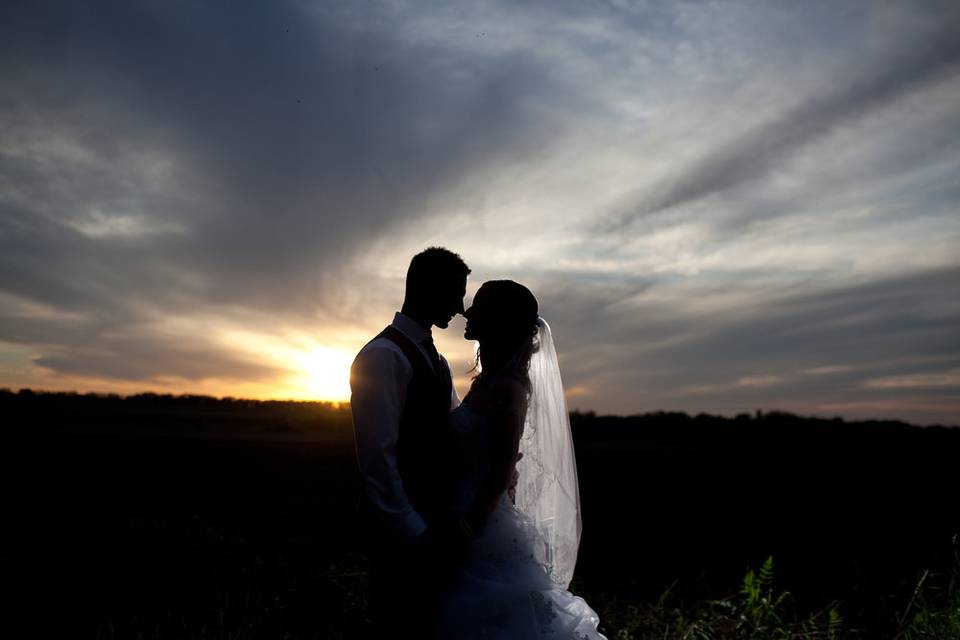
column 422, row 443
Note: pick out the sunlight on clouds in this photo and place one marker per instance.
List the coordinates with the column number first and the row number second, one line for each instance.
column 746, row 382
column 15, row 364
column 828, row 370
column 916, row 381
column 578, row 391
column 17, row 306
column 318, row 369
column 760, row 381
column 18, row 370
column 98, row 224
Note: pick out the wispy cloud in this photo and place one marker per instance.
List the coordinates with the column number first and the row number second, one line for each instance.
column 930, row 55
column 946, row 379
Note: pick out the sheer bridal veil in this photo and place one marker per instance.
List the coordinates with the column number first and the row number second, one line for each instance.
column 547, row 490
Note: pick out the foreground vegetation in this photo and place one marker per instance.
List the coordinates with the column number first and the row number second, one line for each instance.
column 760, row 611
column 191, row 517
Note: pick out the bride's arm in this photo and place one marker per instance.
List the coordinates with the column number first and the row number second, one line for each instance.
column 507, row 409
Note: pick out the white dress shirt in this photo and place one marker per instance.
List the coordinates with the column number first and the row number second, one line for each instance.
column 378, row 383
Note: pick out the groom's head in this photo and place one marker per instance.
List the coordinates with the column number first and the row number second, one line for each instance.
column 436, row 284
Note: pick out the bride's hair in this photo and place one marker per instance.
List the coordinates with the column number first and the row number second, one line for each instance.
column 511, row 341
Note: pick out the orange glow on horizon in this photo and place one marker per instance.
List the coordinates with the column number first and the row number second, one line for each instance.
column 298, row 365
column 306, row 370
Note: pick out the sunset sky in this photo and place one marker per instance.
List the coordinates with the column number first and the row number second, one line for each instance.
column 721, row 206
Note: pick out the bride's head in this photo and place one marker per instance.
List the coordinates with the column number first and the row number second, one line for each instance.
column 503, row 319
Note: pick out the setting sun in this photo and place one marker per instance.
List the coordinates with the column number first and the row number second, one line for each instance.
column 325, row 373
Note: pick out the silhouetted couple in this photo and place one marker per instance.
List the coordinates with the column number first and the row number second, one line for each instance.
column 472, row 509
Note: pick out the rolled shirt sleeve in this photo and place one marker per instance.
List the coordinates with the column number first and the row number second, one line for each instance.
column 378, row 382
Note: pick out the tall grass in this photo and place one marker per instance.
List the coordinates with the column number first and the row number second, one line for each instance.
column 758, row 611
column 933, row 612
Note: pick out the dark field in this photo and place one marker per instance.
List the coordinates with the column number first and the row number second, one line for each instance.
column 191, row 517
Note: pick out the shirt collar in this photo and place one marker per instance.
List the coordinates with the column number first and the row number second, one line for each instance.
column 411, row 329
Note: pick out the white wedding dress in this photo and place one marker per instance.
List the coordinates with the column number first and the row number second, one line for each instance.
column 503, row 591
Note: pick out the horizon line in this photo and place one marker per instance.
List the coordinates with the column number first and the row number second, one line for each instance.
column 345, row 405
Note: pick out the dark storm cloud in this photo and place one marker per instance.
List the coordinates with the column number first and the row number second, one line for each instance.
column 867, row 86
column 302, row 138
column 255, row 148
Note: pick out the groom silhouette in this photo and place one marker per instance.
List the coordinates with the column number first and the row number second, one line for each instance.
column 401, row 394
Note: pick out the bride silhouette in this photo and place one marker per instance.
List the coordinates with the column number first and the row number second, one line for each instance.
column 519, row 553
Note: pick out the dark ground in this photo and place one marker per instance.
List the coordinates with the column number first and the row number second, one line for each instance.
column 172, row 517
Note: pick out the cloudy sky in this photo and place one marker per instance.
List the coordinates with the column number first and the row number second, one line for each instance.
column 722, row 207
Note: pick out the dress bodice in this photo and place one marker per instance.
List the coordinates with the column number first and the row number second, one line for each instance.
column 470, row 448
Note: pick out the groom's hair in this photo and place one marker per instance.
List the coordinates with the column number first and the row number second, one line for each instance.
column 433, row 266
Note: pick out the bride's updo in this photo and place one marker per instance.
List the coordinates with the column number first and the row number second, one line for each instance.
column 503, row 319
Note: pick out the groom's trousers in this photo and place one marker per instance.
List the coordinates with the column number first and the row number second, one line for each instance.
column 403, row 598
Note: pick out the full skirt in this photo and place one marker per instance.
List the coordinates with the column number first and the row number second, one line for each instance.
column 502, row 592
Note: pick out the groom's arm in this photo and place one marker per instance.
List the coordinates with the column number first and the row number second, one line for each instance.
column 378, row 382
